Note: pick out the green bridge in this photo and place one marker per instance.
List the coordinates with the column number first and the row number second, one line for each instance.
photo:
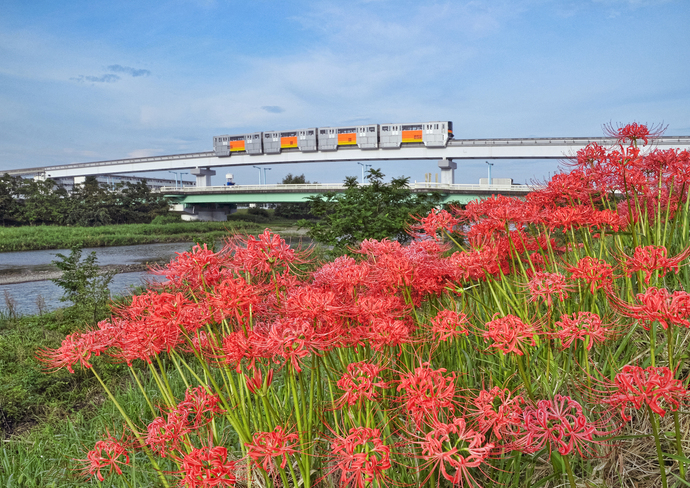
column 215, row 202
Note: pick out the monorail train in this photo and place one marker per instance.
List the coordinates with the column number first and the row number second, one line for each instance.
column 384, row 136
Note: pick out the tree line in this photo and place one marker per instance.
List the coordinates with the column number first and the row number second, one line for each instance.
column 44, row 202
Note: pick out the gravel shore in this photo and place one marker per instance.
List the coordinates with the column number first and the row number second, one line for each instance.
column 26, row 276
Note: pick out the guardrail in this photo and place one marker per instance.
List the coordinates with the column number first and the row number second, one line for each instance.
column 335, row 187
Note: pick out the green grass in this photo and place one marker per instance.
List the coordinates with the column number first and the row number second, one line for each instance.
column 31, row 238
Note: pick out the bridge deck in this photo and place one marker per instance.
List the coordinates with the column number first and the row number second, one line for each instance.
column 457, row 149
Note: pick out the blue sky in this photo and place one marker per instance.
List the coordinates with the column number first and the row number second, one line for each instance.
column 90, row 80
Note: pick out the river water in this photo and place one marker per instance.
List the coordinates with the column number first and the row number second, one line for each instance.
column 35, row 296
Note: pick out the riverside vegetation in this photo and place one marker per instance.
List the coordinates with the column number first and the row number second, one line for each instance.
column 535, row 342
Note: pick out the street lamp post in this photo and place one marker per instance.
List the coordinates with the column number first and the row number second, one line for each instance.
column 365, row 167
column 257, row 167
column 490, row 165
column 266, row 169
column 175, row 173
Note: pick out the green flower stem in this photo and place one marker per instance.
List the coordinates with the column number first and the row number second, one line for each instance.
column 569, row 470
column 659, row 453
column 133, row 428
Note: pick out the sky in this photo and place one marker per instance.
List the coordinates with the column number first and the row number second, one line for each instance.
column 85, row 80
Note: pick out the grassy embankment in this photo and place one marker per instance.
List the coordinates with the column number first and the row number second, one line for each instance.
column 31, row 238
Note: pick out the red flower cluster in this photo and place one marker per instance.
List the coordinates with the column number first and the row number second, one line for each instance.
column 449, row 324
column 648, row 259
column 454, row 449
column 268, row 445
column 208, row 467
column 510, row 334
column 360, row 381
column 657, row 305
column 545, row 285
column 596, row 272
column 585, row 326
column 425, row 392
column 110, row 453
column 498, row 411
column 653, row 386
column 560, row 423
column 362, row 457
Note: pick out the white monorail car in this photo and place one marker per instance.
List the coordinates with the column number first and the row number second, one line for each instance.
column 384, row 136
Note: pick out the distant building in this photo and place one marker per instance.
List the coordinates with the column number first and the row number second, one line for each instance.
column 68, row 182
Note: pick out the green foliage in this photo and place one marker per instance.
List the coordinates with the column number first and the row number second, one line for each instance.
column 30, row 238
column 294, row 210
column 84, row 284
column 170, row 218
column 31, row 202
column 377, row 210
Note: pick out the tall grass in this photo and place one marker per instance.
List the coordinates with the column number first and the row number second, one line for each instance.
column 60, row 237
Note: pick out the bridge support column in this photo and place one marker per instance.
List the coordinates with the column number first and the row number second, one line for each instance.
column 448, row 167
column 203, row 176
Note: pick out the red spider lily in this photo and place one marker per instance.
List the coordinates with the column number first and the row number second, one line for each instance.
column 166, row 435
column 497, row 410
column 544, row 285
column 426, row 392
column 268, row 445
column 648, row 259
column 109, row 453
column 208, row 467
column 360, row 381
column 451, row 447
column 560, row 423
column 596, row 272
column 263, row 255
column 449, row 324
column 344, row 275
column 78, row 348
column 196, row 269
column 633, row 132
column 387, row 332
column 586, row 326
column 563, row 188
column 362, row 457
column 200, row 405
column 256, row 382
column 437, row 220
column 510, row 334
column 653, row 386
column 292, row 340
column 656, row 305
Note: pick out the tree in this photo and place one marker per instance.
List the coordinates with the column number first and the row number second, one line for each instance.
column 294, row 210
column 377, row 210
column 84, row 284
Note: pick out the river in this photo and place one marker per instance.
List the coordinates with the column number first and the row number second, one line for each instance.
column 35, row 296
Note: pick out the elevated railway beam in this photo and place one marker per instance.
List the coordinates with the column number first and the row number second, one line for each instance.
column 457, row 149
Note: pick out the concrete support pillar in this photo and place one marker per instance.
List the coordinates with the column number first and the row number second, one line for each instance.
column 448, row 167
column 203, row 176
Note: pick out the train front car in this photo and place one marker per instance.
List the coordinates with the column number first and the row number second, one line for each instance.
column 361, row 136
column 431, row 134
column 303, row 139
column 245, row 143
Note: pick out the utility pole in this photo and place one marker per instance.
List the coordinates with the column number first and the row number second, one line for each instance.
column 257, row 167
column 266, row 169
column 490, row 165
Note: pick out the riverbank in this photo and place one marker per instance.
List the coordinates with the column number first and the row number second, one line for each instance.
column 26, row 276
column 35, row 238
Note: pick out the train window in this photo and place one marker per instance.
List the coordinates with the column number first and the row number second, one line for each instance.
column 412, row 127
column 267, row 136
column 322, row 131
column 384, row 128
column 372, row 129
column 288, row 134
column 310, row 132
column 256, row 136
column 346, row 131
column 436, row 126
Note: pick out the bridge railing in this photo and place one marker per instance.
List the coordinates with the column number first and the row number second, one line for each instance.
column 339, row 187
